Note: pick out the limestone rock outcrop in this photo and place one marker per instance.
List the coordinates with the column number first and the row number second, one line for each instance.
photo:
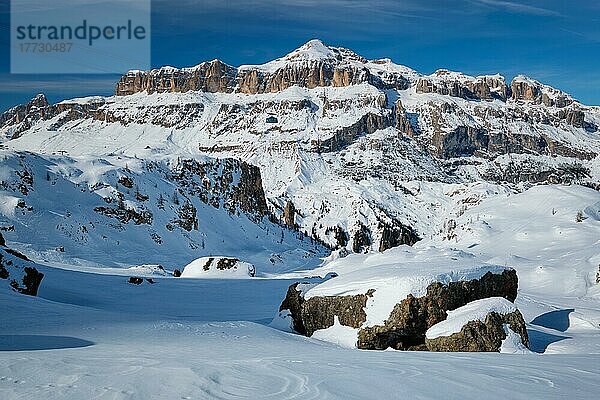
column 408, row 322
column 444, row 82
column 312, row 65
column 480, row 326
column 526, row 89
column 232, row 184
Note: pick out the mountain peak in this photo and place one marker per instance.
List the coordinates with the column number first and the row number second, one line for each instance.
column 314, row 49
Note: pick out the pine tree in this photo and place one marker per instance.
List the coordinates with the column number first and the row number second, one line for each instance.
column 121, row 203
column 160, row 202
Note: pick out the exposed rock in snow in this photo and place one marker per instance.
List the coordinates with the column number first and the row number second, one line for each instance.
column 135, row 280
column 474, row 311
column 482, row 325
column 20, row 272
column 525, row 88
column 320, row 312
column 409, row 320
column 456, row 84
column 393, row 302
column 292, row 305
column 21, row 118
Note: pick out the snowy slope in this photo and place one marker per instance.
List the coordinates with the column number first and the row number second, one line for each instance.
column 198, row 342
column 556, row 258
column 342, row 144
column 118, row 212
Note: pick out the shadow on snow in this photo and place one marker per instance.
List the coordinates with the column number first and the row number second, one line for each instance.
column 557, row 320
column 40, row 342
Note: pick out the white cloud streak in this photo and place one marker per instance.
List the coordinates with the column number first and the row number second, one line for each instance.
column 519, row 8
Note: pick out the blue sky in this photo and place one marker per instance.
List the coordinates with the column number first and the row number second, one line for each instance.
column 554, row 41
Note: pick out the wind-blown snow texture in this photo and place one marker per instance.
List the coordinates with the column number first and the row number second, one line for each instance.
column 488, row 175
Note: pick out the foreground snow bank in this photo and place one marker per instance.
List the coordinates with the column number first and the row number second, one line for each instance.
column 143, row 355
column 218, row 267
column 343, row 336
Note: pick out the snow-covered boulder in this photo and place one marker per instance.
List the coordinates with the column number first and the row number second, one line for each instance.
column 482, row 325
column 218, row 267
column 391, row 299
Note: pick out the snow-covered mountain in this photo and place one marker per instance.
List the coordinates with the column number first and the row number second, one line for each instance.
column 359, row 150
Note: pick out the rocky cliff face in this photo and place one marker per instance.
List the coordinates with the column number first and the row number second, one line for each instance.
column 212, row 76
column 98, row 109
column 490, row 87
column 20, row 118
column 444, row 82
column 457, row 131
column 17, row 114
column 345, row 136
column 313, row 65
column 236, row 186
column 526, row 89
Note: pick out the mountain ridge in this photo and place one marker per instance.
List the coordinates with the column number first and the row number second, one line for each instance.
column 360, row 151
column 315, row 52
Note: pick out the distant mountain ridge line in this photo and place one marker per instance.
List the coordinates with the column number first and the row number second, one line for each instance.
column 317, row 65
